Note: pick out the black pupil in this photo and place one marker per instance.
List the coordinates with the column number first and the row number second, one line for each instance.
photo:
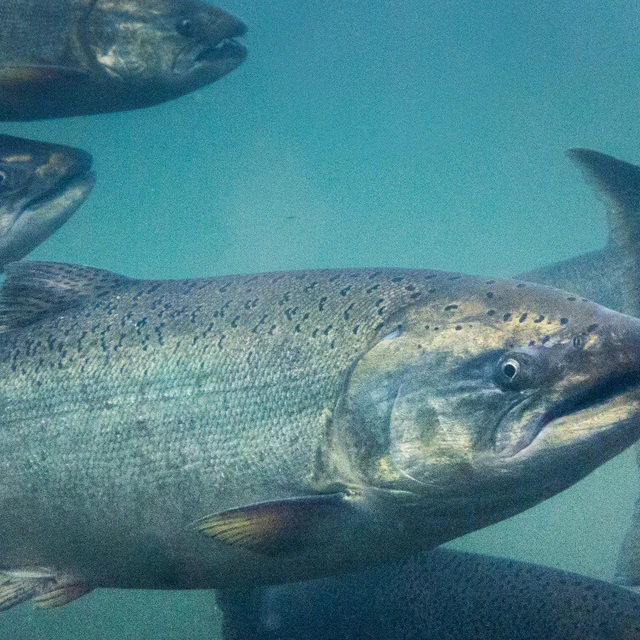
column 509, row 370
column 186, row 28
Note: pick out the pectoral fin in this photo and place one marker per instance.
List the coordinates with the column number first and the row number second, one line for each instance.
column 278, row 527
column 45, row 588
column 13, row 592
column 60, row 593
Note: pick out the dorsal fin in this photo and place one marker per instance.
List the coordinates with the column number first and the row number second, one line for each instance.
column 35, row 290
column 619, row 182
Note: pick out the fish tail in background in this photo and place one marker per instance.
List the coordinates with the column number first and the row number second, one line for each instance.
column 242, row 615
column 619, row 182
column 628, row 564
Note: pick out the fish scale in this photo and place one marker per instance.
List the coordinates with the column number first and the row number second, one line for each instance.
column 264, row 428
column 115, row 351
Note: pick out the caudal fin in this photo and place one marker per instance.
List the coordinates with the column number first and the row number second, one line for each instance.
column 628, row 565
column 619, row 183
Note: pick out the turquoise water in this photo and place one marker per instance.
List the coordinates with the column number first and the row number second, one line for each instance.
column 376, row 133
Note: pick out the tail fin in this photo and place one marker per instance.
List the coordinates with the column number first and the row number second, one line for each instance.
column 619, row 182
column 628, row 565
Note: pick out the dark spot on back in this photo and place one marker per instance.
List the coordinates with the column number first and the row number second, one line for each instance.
column 592, row 327
column 523, row 317
column 489, row 294
column 540, row 318
column 491, row 312
column 451, row 307
column 571, row 299
column 506, row 317
column 564, row 320
column 458, row 327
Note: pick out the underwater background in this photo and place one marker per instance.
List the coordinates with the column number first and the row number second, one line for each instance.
column 368, row 133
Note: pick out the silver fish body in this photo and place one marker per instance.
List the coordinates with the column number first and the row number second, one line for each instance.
column 41, row 186
column 328, row 420
column 77, row 57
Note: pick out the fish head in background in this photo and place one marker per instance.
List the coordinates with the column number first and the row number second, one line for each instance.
column 484, row 403
column 165, row 47
column 41, row 186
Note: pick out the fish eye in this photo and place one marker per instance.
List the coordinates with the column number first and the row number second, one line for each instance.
column 510, row 369
column 578, row 342
column 186, row 28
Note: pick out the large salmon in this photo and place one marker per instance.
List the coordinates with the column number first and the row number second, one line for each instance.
column 306, row 423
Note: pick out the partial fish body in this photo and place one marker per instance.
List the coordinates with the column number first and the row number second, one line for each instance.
column 610, row 276
column 451, row 594
column 41, row 186
column 77, row 57
column 441, row 594
column 265, row 428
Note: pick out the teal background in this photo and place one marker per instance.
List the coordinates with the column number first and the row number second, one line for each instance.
column 416, row 133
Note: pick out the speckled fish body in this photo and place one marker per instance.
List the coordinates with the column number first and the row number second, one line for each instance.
column 328, row 420
column 41, row 186
column 449, row 594
column 436, row 595
column 76, row 57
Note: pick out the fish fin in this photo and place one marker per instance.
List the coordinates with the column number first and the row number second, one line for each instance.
column 277, row 527
column 36, row 77
column 17, row 591
column 34, row 290
column 60, row 593
column 628, row 563
column 46, row 588
column 619, row 182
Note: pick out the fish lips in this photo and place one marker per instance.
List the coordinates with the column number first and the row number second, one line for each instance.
column 45, row 211
column 583, row 414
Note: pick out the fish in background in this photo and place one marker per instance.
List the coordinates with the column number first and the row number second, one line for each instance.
column 76, row 57
column 265, row 428
column 450, row 594
column 41, row 186
column 437, row 595
column 619, row 183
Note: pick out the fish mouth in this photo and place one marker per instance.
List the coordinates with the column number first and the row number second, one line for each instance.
column 586, row 412
column 66, row 193
column 228, row 49
column 218, row 57
column 593, row 398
